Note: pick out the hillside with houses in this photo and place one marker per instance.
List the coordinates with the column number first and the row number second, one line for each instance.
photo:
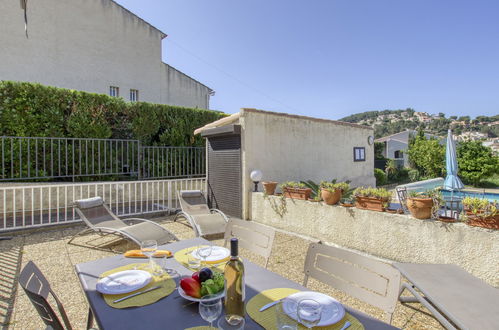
column 387, row 122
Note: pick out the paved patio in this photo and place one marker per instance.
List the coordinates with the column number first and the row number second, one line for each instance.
column 50, row 251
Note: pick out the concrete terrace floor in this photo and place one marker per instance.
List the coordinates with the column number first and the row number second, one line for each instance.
column 56, row 259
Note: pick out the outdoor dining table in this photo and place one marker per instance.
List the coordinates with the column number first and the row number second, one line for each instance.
column 174, row 312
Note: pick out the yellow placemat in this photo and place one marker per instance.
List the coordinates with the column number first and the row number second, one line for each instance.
column 182, row 256
column 267, row 318
column 200, row 328
column 165, row 281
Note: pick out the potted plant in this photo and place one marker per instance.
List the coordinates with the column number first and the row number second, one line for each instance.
column 269, row 187
column 374, row 199
column 295, row 190
column 422, row 204
column 331, row 192
column 481, row 213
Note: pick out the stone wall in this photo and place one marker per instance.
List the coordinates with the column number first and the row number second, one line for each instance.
column 396, row 237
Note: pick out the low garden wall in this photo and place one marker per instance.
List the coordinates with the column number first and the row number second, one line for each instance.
column 392, row 236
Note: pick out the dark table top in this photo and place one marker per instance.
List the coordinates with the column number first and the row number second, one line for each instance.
column 170, row 312
column 466, row 300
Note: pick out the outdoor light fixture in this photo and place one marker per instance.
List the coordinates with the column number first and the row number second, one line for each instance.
column 256, row 176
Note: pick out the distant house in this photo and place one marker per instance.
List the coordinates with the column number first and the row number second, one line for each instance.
column 396, row 145
column 96, row 46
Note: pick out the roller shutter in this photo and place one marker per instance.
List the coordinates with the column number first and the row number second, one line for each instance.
column 224, row 174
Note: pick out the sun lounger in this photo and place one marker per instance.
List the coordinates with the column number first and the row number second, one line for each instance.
column 456, row 298
column 203, row 220
column 100, row 219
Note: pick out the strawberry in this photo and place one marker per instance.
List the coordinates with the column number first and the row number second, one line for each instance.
column 196, row 276
column 191, row 287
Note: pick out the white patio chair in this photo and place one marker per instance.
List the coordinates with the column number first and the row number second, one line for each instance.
column 362, row 277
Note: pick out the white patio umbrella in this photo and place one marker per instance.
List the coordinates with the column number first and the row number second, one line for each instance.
column 452, row 181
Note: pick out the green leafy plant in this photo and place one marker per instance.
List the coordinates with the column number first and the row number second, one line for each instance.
column 476, row 162
column 379, row 193
column 480, row 206
column 427, row 156
column 292, row 184
column 333, row 186
column 380, row 176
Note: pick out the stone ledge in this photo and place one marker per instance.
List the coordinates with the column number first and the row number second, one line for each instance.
column 391, row 236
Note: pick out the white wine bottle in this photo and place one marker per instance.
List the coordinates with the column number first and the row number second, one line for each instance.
column 234, row 286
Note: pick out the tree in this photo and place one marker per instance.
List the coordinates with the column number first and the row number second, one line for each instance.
column 427, row 156
column 476, row 162
column 379, row 147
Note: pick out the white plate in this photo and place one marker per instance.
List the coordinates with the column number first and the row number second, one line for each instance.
column 182, row 293
column 123, row 282
column 332, row 310
column 218, row 253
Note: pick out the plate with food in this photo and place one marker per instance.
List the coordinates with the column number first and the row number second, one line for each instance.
column 203, row 283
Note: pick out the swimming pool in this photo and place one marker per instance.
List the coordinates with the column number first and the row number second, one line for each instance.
column 466, row 193
column 439, row 182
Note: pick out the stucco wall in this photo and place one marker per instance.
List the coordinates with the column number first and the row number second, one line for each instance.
column 179, row 89
column 391, row 236
column 85, row 45
column 296, row 148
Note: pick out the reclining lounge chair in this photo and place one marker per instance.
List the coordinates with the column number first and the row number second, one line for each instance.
column 100, row 219
column 203, row 220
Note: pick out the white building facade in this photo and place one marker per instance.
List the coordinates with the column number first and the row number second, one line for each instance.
column 95, row 46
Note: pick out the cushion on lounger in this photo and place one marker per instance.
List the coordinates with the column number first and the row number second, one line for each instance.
column 89, row 202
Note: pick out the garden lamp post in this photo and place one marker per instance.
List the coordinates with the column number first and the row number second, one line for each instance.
column 256, row 176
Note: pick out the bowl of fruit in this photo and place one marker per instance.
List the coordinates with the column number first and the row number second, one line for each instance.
column 203, row 283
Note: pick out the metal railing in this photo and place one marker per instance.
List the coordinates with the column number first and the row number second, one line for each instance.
column 172, row 162
column 41, row 205
column 41, row 158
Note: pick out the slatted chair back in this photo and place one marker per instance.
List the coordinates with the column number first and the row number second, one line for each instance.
column 252, row 236
column 362, row 277
column 38, row 289
column 95, row 213
column 402, row 196
column 193, row 202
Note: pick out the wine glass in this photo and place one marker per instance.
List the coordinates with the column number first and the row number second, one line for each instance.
column 148, row 248
column 309, row 312
column 205, row 252
column 210, row 308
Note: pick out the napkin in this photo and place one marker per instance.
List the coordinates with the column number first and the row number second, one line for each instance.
column 139, row 254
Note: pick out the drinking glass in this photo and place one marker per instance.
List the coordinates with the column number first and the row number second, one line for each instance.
column 193, row 262
column 204, row 252
column 148, row 248
column 284, row 322
column 309, row 312
column 210, row 309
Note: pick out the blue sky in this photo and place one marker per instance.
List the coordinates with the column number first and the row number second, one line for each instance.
column 332, row 58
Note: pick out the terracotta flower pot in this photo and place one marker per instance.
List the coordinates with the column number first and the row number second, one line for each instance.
column 369, row 203
column 297, row 193
column 446, row 219
column 420, row 208
column 269, row 187
column 346, row 204
column 331, row 198
column 489, row 222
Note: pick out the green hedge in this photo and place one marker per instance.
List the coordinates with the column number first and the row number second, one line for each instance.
column 28, row 109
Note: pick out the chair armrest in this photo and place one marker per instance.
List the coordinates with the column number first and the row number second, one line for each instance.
column 226, row 218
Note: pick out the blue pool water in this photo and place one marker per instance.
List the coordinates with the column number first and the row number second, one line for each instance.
column 461, row 194
column 425, row 185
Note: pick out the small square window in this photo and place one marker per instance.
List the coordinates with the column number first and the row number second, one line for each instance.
column 359, row 154
column 134, row 95
column 114, row 91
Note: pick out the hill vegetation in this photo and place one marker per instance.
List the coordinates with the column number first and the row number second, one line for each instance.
column 386, row 122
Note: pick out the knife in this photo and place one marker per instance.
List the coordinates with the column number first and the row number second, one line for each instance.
column 137, row 293
column 271, row 304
